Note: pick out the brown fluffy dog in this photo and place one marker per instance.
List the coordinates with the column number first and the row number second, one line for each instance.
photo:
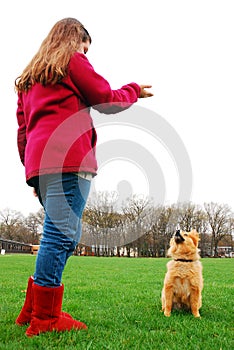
column 183, row 282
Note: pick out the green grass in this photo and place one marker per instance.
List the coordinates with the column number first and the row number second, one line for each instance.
column 119, row 300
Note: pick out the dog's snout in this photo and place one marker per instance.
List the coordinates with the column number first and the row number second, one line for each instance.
column 178, row 237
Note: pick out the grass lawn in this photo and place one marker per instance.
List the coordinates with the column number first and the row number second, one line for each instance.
column 119, row 300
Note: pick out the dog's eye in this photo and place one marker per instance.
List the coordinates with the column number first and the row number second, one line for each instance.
column 185, row 234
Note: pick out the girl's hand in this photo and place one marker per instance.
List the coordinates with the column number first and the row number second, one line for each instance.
column 144, row 93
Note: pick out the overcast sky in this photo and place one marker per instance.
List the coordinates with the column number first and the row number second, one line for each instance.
column 183, row 48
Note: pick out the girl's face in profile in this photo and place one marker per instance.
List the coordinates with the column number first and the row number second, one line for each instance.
column 84, row 47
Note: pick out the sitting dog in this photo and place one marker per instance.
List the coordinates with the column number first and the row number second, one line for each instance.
column 183, row 282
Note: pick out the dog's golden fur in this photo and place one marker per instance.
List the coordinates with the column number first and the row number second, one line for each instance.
column 183, row 282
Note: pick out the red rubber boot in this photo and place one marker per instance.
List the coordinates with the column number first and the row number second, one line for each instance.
column 46, row 314
column 24, row 316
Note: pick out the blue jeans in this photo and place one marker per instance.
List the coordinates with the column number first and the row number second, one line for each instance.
column 63, row 197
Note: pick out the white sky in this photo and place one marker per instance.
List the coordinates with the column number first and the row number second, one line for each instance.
column 183, row 48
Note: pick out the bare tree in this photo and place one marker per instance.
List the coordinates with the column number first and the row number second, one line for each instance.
column 34, row 226
column 101, row 223
column 163, row 227
column 192, row 216
column 137, row 211
column 11, row 223
column 189, row 215
column 219, row 217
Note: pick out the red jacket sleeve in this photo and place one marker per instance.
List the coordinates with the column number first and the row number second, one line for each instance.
column 21, row 137
column 96, row 90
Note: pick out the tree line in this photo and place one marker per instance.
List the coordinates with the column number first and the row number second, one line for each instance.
column 139, row 227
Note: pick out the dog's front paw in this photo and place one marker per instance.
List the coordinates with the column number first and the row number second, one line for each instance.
column 167, row 313
column 196, row 313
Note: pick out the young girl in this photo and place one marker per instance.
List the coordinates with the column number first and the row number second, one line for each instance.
column 56, row 143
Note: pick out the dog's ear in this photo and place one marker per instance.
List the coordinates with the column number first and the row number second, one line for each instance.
column 194, row 235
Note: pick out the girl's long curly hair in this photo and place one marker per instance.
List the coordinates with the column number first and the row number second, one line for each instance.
column 49, row 65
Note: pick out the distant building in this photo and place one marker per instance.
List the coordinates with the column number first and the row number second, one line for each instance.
column 226, row 252
column 8, row 246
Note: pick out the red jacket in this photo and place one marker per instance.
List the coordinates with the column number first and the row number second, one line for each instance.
column 56, row 132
